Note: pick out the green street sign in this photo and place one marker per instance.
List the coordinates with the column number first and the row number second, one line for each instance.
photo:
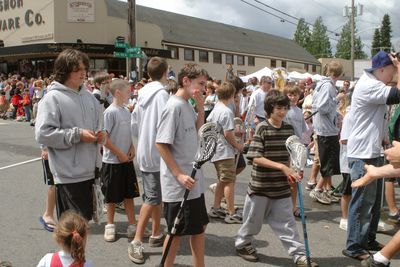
column 133, row 50
column 135, row 55
column 120, row 45
column 120, row 54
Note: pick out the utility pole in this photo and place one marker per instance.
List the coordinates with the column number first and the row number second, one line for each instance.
column 131, row 62
column 351, row 12
column 352, row 39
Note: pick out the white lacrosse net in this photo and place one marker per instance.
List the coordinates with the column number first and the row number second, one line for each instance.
column 208, row 137
column 297, row 151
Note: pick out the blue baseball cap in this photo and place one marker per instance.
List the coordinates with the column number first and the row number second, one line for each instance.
column 380, row 60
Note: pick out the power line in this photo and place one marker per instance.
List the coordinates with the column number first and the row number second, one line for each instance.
column 259, row 8
column 293, row 17
column 281, row 18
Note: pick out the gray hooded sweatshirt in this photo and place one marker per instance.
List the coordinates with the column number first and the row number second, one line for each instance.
column 324, row 101
column 144, row 121
column 61, row 114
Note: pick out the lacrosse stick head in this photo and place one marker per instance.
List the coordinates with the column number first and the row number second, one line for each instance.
column 208, row 137
column 297, row 151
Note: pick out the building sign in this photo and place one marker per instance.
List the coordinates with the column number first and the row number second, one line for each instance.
column 37, row 37
column 81, row 11
column 11, row 23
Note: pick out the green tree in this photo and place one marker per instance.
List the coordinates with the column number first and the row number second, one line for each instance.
column 386, row 33
column 343, row 47
column 302, row 34
column 319, row 41
column 376, row 42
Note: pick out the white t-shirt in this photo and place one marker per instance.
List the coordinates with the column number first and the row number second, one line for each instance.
column 117, row 123
column 177, row 127
column 65, row 258
column 251, row 88
column 257, row 99
column 295, row 117
column 223, row 115
column 344, row 135
column 368, row 108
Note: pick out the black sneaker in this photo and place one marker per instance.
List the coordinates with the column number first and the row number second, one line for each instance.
column 375, row 246
column 394, row 218
column 248, row 253
column 217, row 213
column 370, row 262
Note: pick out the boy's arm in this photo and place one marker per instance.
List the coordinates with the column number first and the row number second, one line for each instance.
column 200, row 109
column 291, row 174
column 374, row 173
column 183, row 179
column 327, row 103
column 49, row 133
column 122, row 157
column 230, row 137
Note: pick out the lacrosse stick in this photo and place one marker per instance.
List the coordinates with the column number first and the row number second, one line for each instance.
column 238, row 129
column 249, row 125
column 298, row 155
column 98, row 197
column 208, row 136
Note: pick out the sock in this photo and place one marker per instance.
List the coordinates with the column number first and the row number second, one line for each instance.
column 378, row 257
column 393, row 214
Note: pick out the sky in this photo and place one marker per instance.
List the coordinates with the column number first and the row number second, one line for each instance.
column 240, row 13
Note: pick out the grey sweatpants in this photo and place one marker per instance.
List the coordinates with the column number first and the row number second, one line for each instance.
column 278, row 214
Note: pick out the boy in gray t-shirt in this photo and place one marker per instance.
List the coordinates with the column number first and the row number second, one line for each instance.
column 224, row 158
column 118, row 174
column 177, row 143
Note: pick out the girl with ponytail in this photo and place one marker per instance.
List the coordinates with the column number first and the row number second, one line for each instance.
column 70, row 235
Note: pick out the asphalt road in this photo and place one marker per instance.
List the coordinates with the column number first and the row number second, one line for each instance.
column 23, row 241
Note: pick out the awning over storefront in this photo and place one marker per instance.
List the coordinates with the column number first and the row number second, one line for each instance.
column 52, row 49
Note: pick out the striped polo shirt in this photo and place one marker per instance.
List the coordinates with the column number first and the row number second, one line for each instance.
column 269, row 142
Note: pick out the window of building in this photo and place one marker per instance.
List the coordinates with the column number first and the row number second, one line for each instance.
column 251, row 61
column 314, row 68
column 229, row 59
column 240, row 60
column 306, row 67
column 273, row 63
column 217, row 58
column 283, row 64
column 174, row 51
column 188, row 54
column 203, row 56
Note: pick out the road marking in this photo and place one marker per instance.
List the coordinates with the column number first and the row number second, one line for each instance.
column 3, row 123
column 20, row 163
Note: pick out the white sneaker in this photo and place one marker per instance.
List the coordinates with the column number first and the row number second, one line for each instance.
column 381, row 226
column 131, row 231
column 109, row 233
column 343, row 224
column 212, row 187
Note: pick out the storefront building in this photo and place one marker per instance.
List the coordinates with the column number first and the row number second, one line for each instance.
column 32, row 33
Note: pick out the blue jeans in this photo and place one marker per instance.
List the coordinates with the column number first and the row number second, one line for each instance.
column 364, row 209
column 27, row 110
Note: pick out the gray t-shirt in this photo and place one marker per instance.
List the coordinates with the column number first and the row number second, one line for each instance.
column 177, row 127
column 223, row 115
column 117, row 123
column 295, row 117
column 368, row 109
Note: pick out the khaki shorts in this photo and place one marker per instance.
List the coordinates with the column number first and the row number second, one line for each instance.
column 226, row 170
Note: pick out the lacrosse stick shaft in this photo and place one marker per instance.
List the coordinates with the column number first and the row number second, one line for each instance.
column 303, row 223
column 176, row 222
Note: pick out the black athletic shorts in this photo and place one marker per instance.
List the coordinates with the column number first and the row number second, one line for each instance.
column 194, row 216
column 119, row 182
column 47, row 175
column 77, row 197
column 346, row 186
column 328, row 150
